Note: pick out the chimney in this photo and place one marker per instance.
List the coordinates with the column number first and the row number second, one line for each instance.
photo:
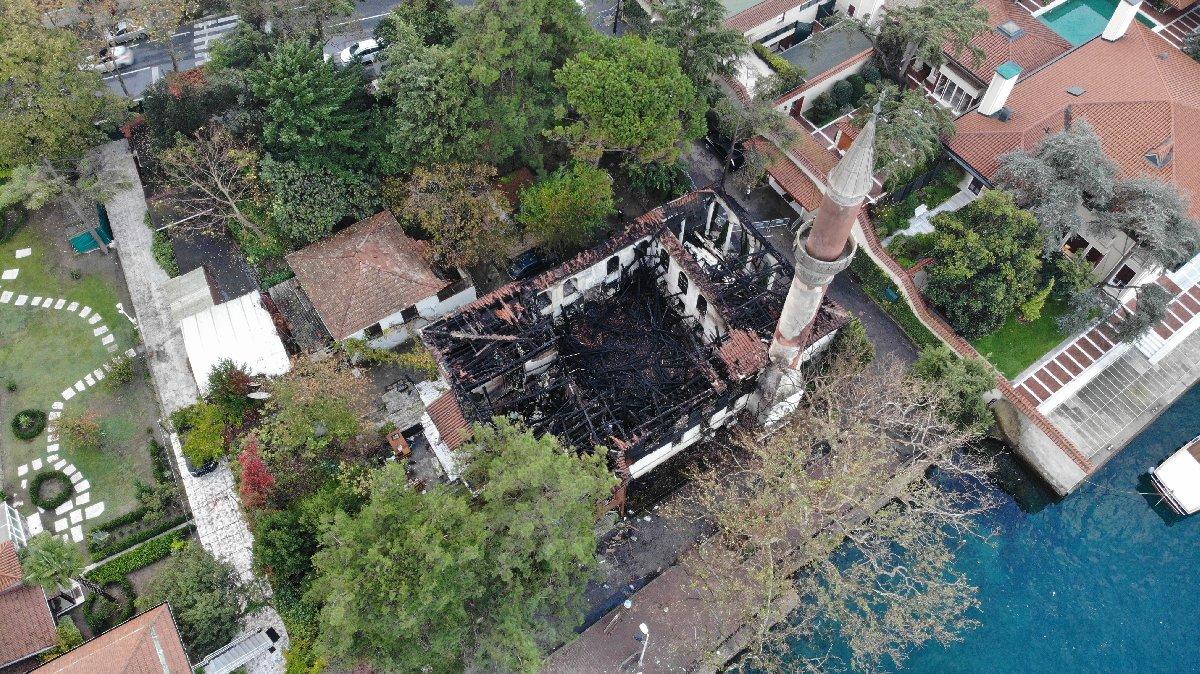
column 1119, row 23
column 1001, row 86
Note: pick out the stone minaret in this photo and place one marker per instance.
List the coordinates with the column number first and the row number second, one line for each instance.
column 822, row 251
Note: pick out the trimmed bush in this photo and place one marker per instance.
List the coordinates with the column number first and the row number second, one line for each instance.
column 205, row 440
column 39, row 481
column 102, row 614
column 842, row 94
column 28, row 424
column 140, row 557
column 164, row 253
column 142, row 531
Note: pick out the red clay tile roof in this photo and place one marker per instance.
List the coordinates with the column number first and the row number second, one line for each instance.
column 764, row 11
column 1181, row 4
column 1139, row 92
column 744, row 354
column 10, row 566
column 363, row 274
column 785, row 172
column 1037, row 47
column 448, row 417
column 26, row 626
column 146, row 644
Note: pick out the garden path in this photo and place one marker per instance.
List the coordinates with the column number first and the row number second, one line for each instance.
column 67, row 519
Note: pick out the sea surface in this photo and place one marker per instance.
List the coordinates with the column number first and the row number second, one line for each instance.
column 1105, row 580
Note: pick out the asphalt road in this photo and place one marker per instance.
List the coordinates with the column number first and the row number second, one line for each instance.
column 151, row 61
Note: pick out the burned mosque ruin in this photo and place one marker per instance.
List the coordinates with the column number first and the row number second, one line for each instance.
column 648, row 343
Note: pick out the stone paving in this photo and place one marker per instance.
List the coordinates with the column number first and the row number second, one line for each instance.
column 67, row 519
column 220, row 526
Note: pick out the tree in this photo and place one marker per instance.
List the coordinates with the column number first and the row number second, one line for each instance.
column 464, row 215
column 925, row 29
column 315, row 404
column 511, row 49
column 240, row 49
column 852, row 343
column 78, row 186
column 309, row 199
column 256, row 483
column 628, row 95
column 432, row 118
column 1191, row 45
column 316, row 112
column 1067, row 171
column 909, row 132
column 396, row 581
column 52, row 110
column 51, row 563
column 538, row 501
column 740, row 121
column 987, row 262
column 1086, row 307
column 1153, row 302
column 214, row 173
column 228, row 388
column 431, row 20
column 960, row 384
column 1031, row 309
column 204, row 437
column 696, row 29
column 842, row 94
column 565, row 209
column 68, row 637
column 205, row 595
column 1154, row 218
column 161, row 18
column 798, row 556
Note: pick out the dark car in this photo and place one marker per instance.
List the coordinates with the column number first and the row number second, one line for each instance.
column 719, row 143
column 530, row 263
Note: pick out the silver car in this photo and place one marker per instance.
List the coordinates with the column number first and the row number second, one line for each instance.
column 109, row 59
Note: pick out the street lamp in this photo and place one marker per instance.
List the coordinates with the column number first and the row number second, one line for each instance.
column 645, row 642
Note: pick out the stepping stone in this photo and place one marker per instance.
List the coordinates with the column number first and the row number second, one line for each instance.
column 112, row 348
column 59, row 304
column 36, row 301
column 33, row 525
column 6, row 296
column 59, row 463
column 24, row 252
column 36, row 464
column 64, row 508
column 72, row 306
column 83, row 485
column 54, row 415
column 98, row 374
column 21, row 470
column 108, row 339
column 77, row 533
column 85, row 497
column 79, row 386
column 83, row 313
column 56, row 405
column 51, row 437
column 76, row 478
column 69, row 470
column 93, row 510
column 131, row 353
column 47, row 302
column 52, row 457
column 107, row 367
column 59, row 525
column 96, row 318
column 21, row 300
column 89, row 380
column 24, row 484
column 10, row 274
column 76, row 516
column 100, row 331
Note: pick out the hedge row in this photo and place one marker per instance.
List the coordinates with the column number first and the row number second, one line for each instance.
column 102, row 622
column 138, row 558
column 875, row 282
column 39, row 480
column 112, row 547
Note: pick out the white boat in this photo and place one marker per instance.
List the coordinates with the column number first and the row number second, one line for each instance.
column 1178, row 478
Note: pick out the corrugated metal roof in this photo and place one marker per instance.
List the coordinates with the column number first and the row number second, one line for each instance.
column 240, row 330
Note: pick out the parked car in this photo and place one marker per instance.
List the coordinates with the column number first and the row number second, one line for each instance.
column 125, row 32
column 531, row 263
column 719, row 143
column 366, row 50
column 109, row 59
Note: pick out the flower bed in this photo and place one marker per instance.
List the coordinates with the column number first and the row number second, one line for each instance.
column 28, row 424
column 38, row 483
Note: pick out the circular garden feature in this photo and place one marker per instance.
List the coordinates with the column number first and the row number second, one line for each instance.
column 50, row 489
column 28, row 424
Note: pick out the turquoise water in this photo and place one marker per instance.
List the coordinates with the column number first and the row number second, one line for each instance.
column 1081, row 20
column 1103, row 581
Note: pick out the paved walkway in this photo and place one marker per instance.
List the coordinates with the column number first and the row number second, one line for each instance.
column 220, row 526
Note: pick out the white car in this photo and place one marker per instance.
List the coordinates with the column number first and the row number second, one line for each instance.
column 109, row 59
column 366, row 50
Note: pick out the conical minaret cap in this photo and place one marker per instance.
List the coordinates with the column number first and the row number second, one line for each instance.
column 854, row 176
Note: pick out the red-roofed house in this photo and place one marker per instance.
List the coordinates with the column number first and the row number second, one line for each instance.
column 26, row 625
column 371, row 281
column 146, row 644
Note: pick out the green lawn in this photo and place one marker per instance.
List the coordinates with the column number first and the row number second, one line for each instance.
column 43, row 351
column 1016, row 345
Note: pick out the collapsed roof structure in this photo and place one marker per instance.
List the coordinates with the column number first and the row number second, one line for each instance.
column 638, row 347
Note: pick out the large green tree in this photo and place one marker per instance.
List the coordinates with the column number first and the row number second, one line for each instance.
column 910, row 132
column 316, row 112
column 431, row 20
column 567, row 208
column 960, row 383
column 696, row 29
column 987, row 261
column 50, row 109
column 51, row 563
column 309, row 199
column 923, row 30
column 205, row 596
column 629, row 95
column 457, row 206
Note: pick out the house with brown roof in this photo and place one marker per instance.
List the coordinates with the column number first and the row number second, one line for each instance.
column 146, row 644
column 1140, row 94
column 371, row 281
column 1016, row 36
column 26, row 625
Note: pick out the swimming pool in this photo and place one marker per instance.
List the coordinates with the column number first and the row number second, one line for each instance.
column 1081, row 20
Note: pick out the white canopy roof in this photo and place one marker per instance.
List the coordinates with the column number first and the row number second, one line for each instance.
column 1180, row 475
column 240, row 330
